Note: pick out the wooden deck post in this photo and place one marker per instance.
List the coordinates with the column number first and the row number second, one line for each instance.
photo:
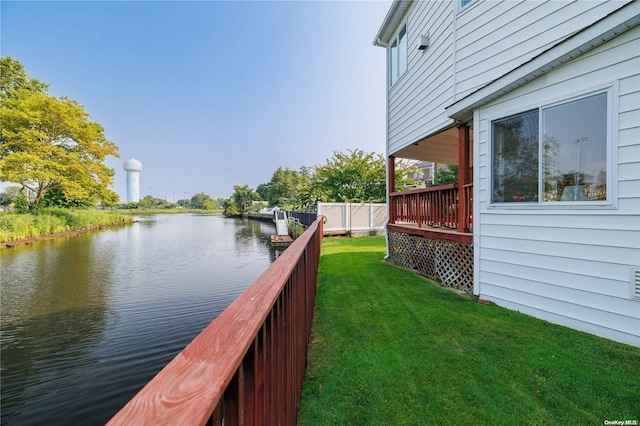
column 463, row 175
column 391, row 187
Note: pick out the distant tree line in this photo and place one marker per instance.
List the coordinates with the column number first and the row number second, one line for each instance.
column 200, row 201
column 355, row 176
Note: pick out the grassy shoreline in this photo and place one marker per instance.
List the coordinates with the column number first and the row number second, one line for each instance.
column 390, row 347
column 15, row 227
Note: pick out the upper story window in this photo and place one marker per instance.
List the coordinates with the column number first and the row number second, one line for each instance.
column 463, row 3
column 398, row 56
column 557, row 153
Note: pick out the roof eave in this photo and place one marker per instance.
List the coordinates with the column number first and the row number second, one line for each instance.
column 583, row 41
column 389, row 25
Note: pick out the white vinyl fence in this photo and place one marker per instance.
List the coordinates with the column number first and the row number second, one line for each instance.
column 353, row 218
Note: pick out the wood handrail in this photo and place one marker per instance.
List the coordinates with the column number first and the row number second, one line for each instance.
column 435, row 188
column 247, row 366
column 436, row 206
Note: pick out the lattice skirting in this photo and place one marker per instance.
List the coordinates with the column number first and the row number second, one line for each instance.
column 449, row 263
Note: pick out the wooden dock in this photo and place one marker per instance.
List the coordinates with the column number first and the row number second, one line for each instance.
column 281, row 240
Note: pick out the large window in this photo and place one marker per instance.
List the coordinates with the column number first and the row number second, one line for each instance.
column 398, row 56
column 556, row 153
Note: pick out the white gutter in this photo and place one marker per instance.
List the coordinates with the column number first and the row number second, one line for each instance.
column 380, row 43
column 391, row 21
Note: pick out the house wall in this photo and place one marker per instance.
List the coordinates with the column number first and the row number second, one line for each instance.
column 571, row 266
column 470, row 47
column 416, row 102
column 492, row 37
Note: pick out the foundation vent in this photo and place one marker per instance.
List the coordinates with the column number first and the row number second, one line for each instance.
column 635, row 283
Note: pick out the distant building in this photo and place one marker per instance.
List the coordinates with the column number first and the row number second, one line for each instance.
column 133, row 168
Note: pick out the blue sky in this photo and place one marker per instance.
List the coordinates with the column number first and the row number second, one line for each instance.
column 211, row 94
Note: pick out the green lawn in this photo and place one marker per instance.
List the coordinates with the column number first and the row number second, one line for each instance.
column 391, row 348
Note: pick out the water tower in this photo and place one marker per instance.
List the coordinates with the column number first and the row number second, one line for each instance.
column 133, row 168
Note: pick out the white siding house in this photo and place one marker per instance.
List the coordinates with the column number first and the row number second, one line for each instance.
column 550, row 92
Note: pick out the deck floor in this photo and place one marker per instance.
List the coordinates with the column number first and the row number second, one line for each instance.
column 442, row 229
column 281, row 240
column 432, row 232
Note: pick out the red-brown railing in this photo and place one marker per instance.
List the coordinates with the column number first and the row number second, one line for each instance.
column 247, row 366
column 466, row 216
column 435, row 206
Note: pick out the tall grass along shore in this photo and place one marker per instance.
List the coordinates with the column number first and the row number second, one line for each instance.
column 19, row 226
column 389, row 347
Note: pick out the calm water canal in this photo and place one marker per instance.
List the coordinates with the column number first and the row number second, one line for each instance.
column 87, row 321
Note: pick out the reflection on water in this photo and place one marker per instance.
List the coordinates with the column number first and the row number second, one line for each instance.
column 87, row 321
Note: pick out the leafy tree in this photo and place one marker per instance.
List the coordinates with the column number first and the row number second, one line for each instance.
column 109, row 198
column 20, row 203
column 283, row 188
column 516, row 158
column 13, row 78
column 243, row 196
column 55, row 197
column 211, row 204
column 263, row 191
column 9, row 194
column 230, row 208
column 48, row 142
column 356, row 176
column 150, row 202
column 445, row 175
column 147, row 202
column 165, row 204
column 203, row 201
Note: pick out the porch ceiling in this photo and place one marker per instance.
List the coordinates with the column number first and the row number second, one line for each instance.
column 440, row 148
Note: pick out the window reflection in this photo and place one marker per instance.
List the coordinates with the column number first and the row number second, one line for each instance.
column 393, row 61
column 515, row 160
column 402, row 51
column 575, row 150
